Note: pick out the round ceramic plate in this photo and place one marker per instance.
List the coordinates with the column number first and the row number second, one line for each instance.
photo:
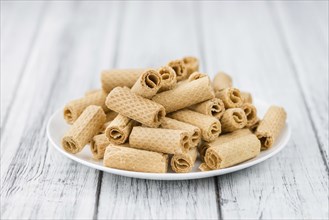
column 57, row 127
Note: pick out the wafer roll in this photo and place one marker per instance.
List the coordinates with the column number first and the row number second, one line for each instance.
column 120, row 77
column 210, row 126
column 128, row 104
column 213, row 107
column 203, row 167
column 192, row 64
column 148, row 84
column 98, row 145
column 111, row 115
column 195, row 76
column 126, row 158
column 202, row 148
column 185, row 95
column 105, row 125
column 119, row 129
column 73, row 109
column 233, row 119
column 168, row 77
column 183, row 163
column 254, row 127
column 180, row 69
column 246, row 97
column 230, row 96
column 160, row 140
column 251, row 113
column 92, row 91
column 194, row 132
column 271, row 125
column 222, row 81
column 233, row 152
column 84, row 129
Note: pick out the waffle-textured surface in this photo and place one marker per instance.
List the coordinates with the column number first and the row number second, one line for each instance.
column 119, row 129
column 98, row 145
column 213, row 107
column 148, row 84
column 233, row 119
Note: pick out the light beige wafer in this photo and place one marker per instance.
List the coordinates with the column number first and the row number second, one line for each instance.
column 180, row 69
column 185, row 95
column 203, row 167
column 213, row 107
column 254, row 127
column 120, row 77
column 111, row 115
column 202, row 148
column 210, row 126
column 126, row 158
column 195, row 76
column 168, row 77
column 246, row 97
column 119, row 129
column 194, row 132
column 183, row 163
column 92, row 91
column 222, row 81
column 160, row 140
column 231, row 97
column 251, row 113
column 148, row 84
column 191, row 63
column 233, row 119
column 233, row 152
column 73, row 109
column 84, row 129
column 98, row 145
column 140, row 109
column 105, row 125
column 271, row 126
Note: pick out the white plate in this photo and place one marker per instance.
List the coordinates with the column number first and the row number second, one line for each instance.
column 57, row 127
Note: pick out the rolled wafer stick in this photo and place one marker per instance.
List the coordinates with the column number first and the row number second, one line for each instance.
column 202, row 148
column 210, row 126
column 251, row 114
column 119, row 129
column 271, row 125
column 183, row 163
column 73, row 109
column 254, row 127
column 222, row 81
column 111, row 115
column 246, row 97
column 105, row 125
column 180, row 69
column 203, row 167
column 84, row 129
column 98, row 145
column 185, row 95
column 168, row 77
column 140, row 109
column 213, row 107
column 126, row 158
column 92, row 91
column 195, row 76
column 191, row 63
column 231, row 97
column 233, row 119
column 160, row 140
column 120, row 77
column 233, row 152
column 148, row 84
column 194, row 132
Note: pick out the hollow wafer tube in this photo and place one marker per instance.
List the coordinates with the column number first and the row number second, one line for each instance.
column 120, row 77
column 191, row 63
column 246, row 97
column 251, row 114
column 126, row 158
column 236, row 151
column 222, row 81
column 233, row 119
column 84, row 129
column 148, row 84
column 185, row 95
column 195, row 76
column 73, row 109
column 194, row 132
column 160, row 140
column 254, row 127
column 119, row 129
column 180, row 69
column 98, row 145
column 210, row 126
column 140, row 109
column 271, row 126
column 168, row 77
column 111, row 115
column 213, row 107
column 202, row 148
column 203, row 167
column 231, row 97
column 183, row 163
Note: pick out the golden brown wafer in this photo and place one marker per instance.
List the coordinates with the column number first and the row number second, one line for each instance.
column 230, row 96
column 111, row 115
column 254, row 127
column 233, row 119
column 222, row 81
column 246, row 97
column 140, row 109
column 183, row 163
column 210, row 126
column 191, row 63
column 202, row 148
column 180, row 69
column 168, row 77
column 233, row 152
column 160, row 140
column 148, row 84
column 84, row 129
column 251, row 114
column 195, row 76
column 98, row 145
column 203, row 167
column 119, row 129
column 126, row 158
column 213, row 107
column 271, row 126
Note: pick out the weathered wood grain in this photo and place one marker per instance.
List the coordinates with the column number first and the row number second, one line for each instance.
column 242, row 39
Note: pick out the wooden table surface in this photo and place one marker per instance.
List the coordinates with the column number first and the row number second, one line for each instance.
column 52, row 52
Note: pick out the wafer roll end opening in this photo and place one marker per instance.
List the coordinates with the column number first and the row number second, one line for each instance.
column 152, row 79
column 235, row 97
column 159, row 116
column 212, row 159
column 70, row 145
column 265, row 140
column 196, row 136
column 180, row 165
column 185, row 142
column 114, row 135
column 69, row 115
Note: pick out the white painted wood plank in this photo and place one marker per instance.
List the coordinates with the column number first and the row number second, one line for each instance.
column 36, row 181
column 241, row 38
column 152, row 34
